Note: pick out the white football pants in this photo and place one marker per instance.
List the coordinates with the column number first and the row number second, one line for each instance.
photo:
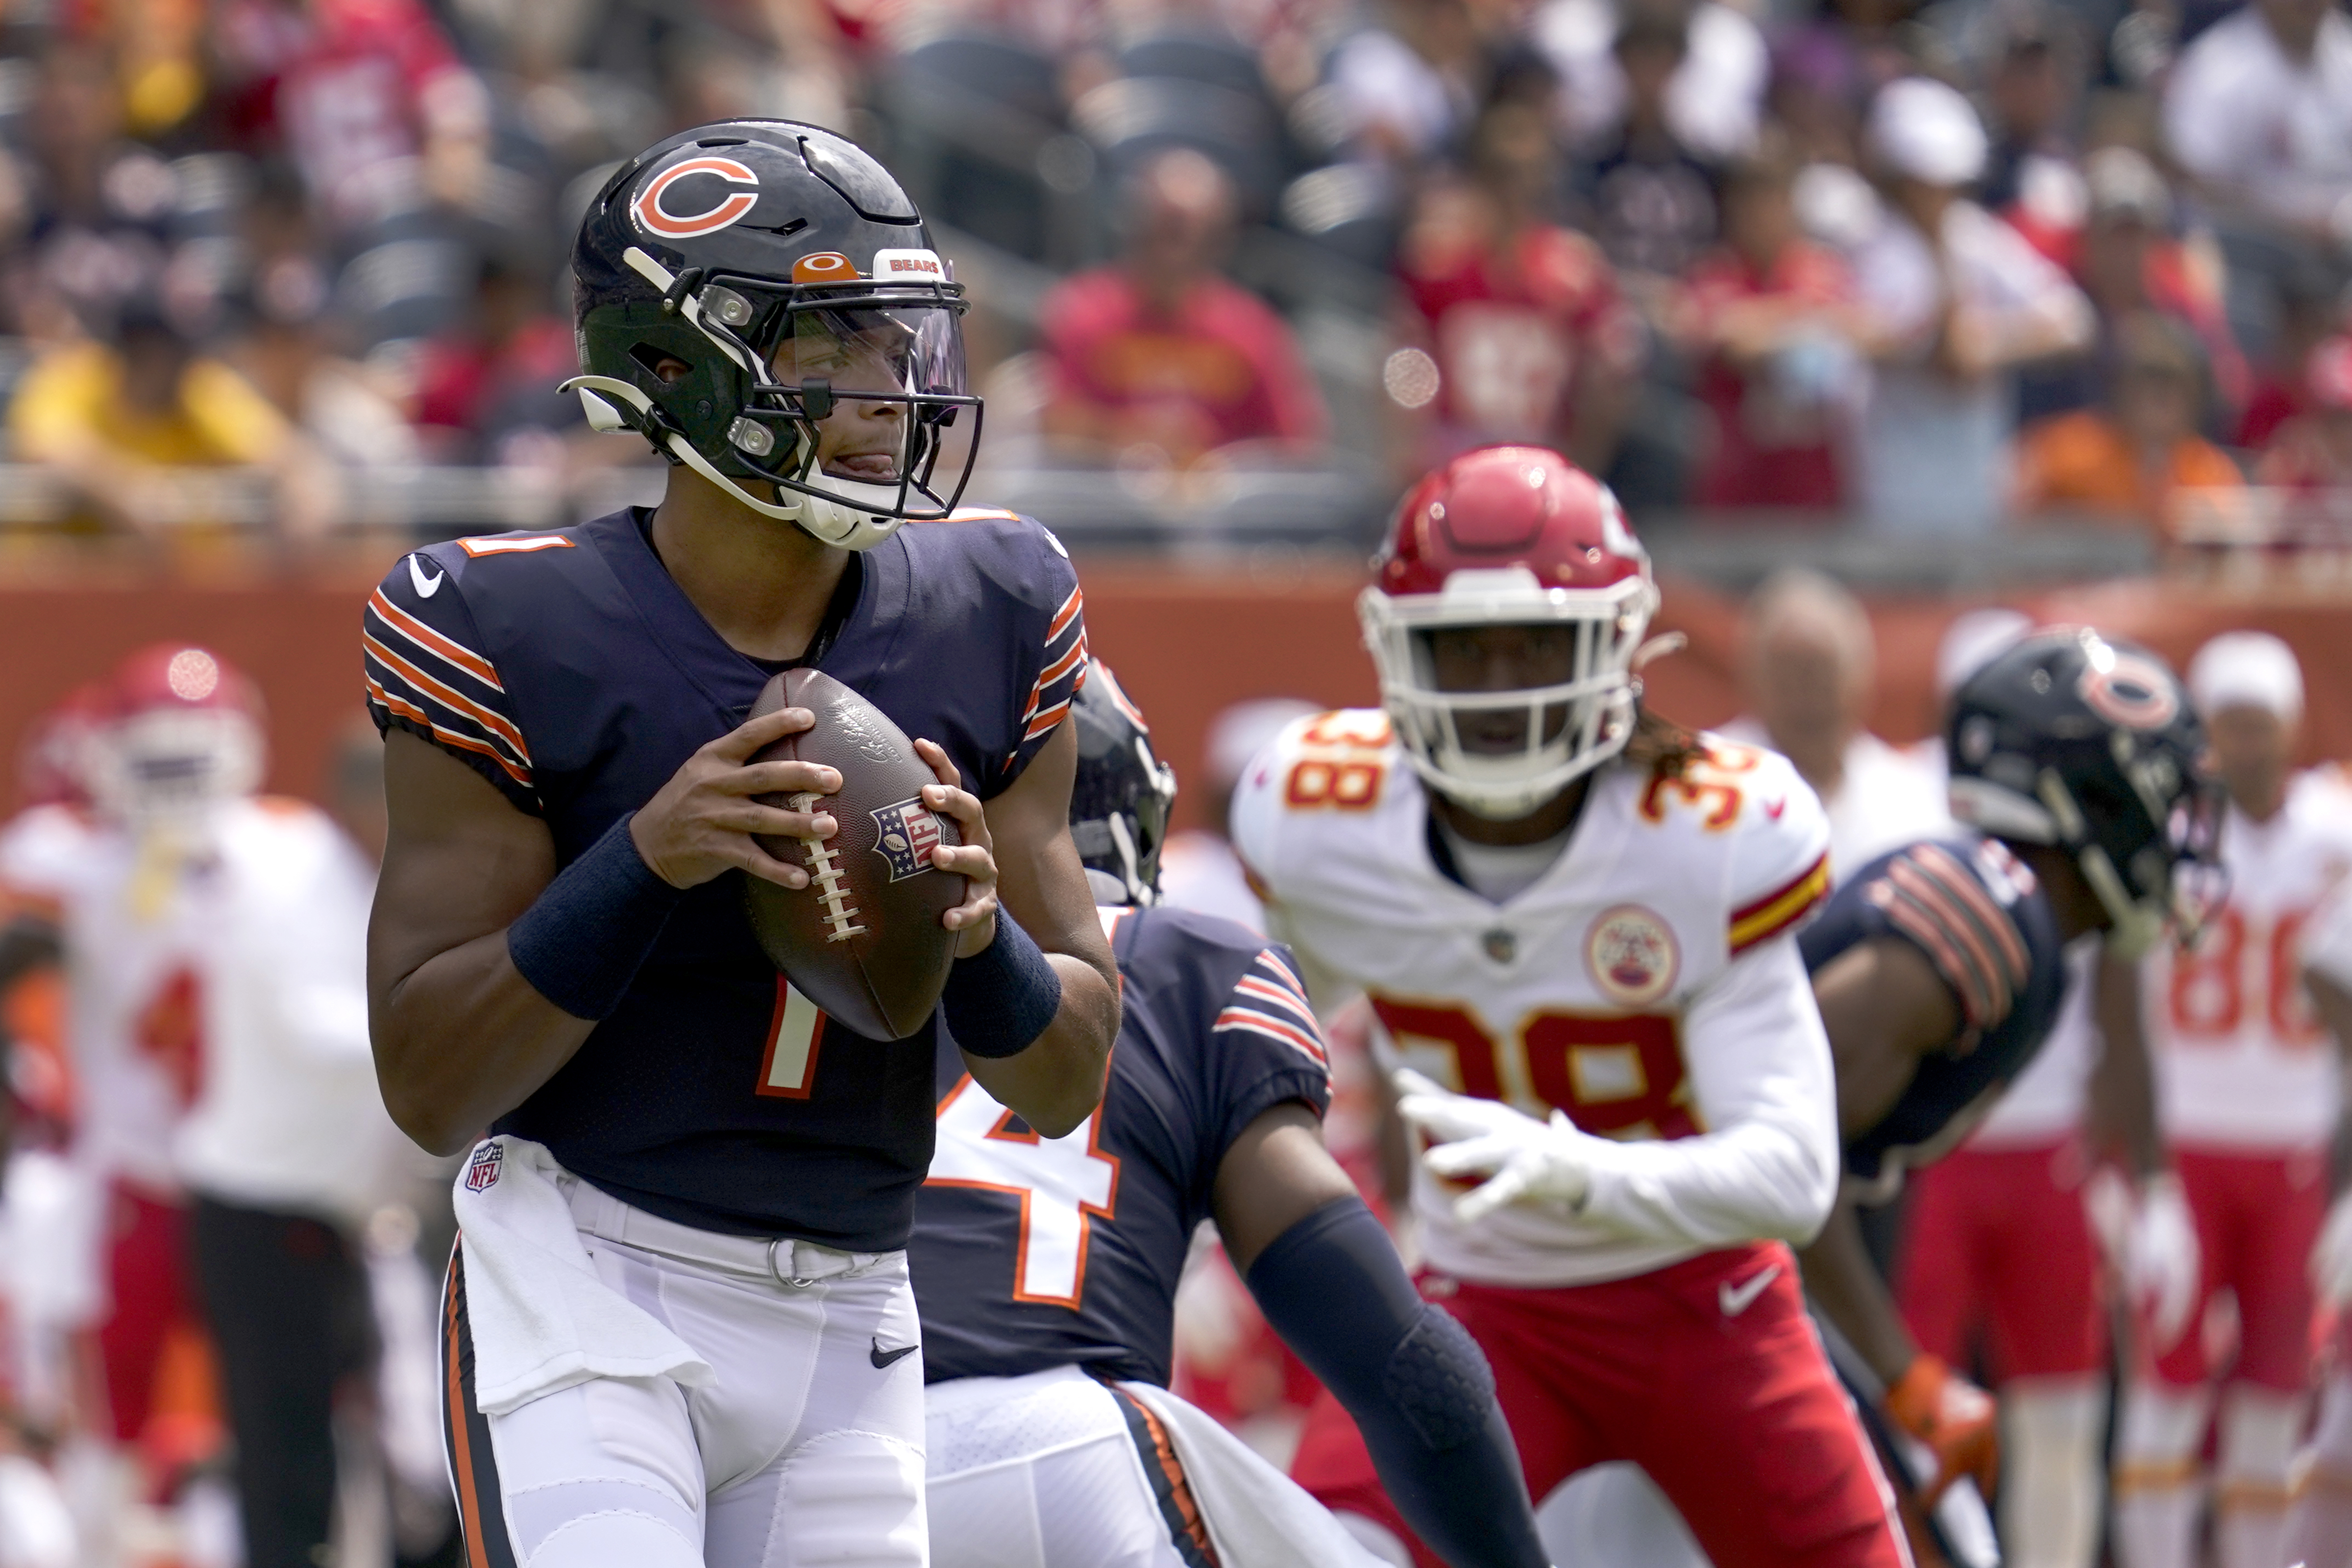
column 1049, row 1472
column 807, row 1449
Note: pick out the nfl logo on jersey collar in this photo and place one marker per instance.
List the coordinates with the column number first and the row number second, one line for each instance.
column 482, row 1170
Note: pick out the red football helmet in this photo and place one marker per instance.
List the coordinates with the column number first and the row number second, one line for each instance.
column 181, row 731
column 1510, row 536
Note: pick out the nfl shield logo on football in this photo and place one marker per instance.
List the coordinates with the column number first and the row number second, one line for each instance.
column 1632, row 956
column 905, row 835
column 482, row 1170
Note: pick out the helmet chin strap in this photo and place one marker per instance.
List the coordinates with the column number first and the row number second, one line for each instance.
column 2137, row 924
column 823, row 519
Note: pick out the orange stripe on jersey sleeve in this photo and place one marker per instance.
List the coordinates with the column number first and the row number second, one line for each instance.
column 395, row 704
column 1778, row 910
column 449, row 696
column 1070, row 610
column 1997, row 921
column 434, row 642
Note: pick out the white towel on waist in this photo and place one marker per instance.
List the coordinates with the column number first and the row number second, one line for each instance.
column 1257, row 1517
column 542, row 1319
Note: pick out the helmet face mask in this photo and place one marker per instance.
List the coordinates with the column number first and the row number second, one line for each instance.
column 1123, row 795
column 821, row 337
column 1533, row 560
column 170, row 767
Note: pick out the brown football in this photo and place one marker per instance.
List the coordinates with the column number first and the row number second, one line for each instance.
column 863, row 940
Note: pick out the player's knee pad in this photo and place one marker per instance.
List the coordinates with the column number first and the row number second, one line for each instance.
column 1439, row 1378
column 2161, row 1423
column 2053, row 1416
column 855, row 1497
column 2260, row 1432
column 598, row 1521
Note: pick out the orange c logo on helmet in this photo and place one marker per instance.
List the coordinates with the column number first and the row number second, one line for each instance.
column 656, row 219
column 2131, row 692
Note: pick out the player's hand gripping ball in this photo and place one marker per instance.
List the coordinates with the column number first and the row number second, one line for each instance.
column 864, row 938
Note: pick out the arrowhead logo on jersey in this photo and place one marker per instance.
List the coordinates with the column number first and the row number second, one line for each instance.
column 1631, row 955
column 905, row 835
column 482, row 1170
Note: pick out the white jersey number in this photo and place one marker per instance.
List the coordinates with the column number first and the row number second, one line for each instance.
column 1064, row 1185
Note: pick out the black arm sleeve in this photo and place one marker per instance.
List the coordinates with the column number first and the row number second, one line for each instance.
column 1415, row 1382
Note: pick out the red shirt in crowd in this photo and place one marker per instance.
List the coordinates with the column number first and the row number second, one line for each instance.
column 1222, row 364
column 1771, row 448
column 1511, row 328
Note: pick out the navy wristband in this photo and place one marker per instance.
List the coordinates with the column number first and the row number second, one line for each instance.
column 998, row 1001
column 581, row 943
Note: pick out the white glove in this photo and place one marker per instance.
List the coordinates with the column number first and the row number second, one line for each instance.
column 2161, row 1266
column 1520, row 1156
column 2331, row 1255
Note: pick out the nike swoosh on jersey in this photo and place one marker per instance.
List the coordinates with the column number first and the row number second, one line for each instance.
column 882, row 1358
column 426, row 586
column 1737, row 1298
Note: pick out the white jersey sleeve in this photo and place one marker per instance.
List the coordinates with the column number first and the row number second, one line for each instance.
column 1760, row 1072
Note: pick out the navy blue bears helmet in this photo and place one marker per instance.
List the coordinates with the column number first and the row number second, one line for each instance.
column 2090, row 743
column 820, row 335
column 1122, row 794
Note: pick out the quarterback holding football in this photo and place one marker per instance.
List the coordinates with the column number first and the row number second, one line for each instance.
column 679, row 1329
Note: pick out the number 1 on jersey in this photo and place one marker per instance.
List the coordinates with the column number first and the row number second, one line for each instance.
column 788, row 1068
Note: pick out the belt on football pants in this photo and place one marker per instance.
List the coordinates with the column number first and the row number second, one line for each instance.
column 786, row 1260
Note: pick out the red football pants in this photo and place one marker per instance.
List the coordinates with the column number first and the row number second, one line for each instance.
column 1999, row 1241
column 2258, row 1215
column 1705, row 1373
column 146, row 1276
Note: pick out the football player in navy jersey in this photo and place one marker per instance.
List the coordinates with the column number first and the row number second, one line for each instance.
column 1939, row 968
column 1046, row 1269
column 678, row 1324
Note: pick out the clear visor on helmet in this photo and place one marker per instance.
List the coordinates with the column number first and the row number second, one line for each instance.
column 858, row 390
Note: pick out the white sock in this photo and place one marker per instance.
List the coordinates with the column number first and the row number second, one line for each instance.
column 2051, row 1430
column 2157, row 1487
column 2319, row 1526
column 2260, row 1428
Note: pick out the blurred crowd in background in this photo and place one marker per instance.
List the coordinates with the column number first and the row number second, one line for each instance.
column 1932, row 267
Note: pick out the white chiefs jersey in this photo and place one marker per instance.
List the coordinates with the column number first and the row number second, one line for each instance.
column 217, row 1003
column 2242, row 1060
column 131, row 1011
column 1642, row 986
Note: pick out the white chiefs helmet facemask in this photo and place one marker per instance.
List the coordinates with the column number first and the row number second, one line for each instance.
column 1510, row 536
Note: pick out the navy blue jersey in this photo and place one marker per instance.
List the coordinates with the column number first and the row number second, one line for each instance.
column 573, row 672
column 1984, row 922
column 1032, row 1253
